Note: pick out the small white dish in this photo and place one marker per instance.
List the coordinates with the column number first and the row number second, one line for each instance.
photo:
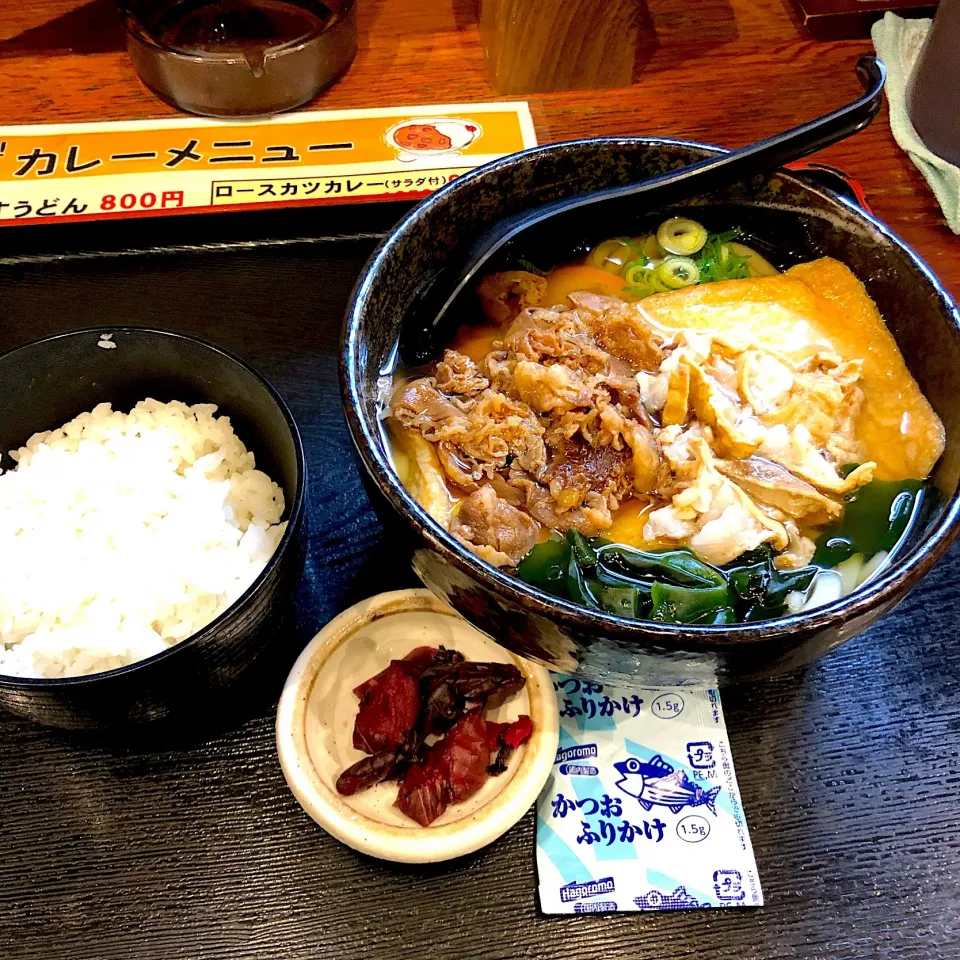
column 315, row 731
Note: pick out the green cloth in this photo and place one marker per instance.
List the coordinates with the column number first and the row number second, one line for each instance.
column 898, row 43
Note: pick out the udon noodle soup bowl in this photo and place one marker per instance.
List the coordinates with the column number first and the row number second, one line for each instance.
column 210, row 678
column 791, row 222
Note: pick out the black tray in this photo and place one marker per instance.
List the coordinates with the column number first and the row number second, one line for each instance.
column 850, row 773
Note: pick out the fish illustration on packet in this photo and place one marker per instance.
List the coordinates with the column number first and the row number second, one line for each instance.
column 656, row 782
column 642, row 810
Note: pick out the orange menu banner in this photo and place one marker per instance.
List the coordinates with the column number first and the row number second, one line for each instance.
column 149, row 167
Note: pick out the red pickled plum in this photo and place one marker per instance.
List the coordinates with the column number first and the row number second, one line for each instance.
column 429, row 691
column 454, row 769
column 464, row 756
column 388, row 711
column 423, row 793
column 390, row 701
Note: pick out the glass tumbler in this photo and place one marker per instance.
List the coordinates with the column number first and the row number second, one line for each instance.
column 239, row 58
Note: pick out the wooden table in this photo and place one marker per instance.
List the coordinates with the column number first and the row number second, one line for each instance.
column 725, row 72
column 850, row 773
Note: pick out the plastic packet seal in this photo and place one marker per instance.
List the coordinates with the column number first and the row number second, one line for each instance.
column 642, row 810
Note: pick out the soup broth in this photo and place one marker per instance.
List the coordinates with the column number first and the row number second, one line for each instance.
column 671, row 428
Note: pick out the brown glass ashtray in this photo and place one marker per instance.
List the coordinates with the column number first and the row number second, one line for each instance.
column 240, row 58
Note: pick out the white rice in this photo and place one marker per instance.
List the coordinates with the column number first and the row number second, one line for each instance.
column 122, row 534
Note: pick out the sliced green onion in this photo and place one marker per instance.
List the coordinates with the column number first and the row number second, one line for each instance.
column 677, row 272
column 681, row 236
column 611, row 255
column 652, row 248
column 653, row 278
column 636, row 274
column 643, row 276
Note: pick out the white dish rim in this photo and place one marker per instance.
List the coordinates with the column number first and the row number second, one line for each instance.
column 412, row 844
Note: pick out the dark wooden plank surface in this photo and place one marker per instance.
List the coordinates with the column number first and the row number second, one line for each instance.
column 850, row 773
column 721, row 71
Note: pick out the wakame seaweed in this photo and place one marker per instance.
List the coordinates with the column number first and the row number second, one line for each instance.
column 874, row 519
column 676, row 586
column 670, row 586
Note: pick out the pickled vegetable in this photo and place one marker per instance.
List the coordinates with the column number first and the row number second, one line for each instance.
column 433, row 691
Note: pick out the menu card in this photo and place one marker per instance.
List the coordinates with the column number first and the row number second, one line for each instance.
column 94, row 171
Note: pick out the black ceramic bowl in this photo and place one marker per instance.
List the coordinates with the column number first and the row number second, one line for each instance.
column 50, row 381
column 792, row 222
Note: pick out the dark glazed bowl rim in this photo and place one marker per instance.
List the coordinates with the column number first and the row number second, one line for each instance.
column 888, row 588
column 294, row 510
